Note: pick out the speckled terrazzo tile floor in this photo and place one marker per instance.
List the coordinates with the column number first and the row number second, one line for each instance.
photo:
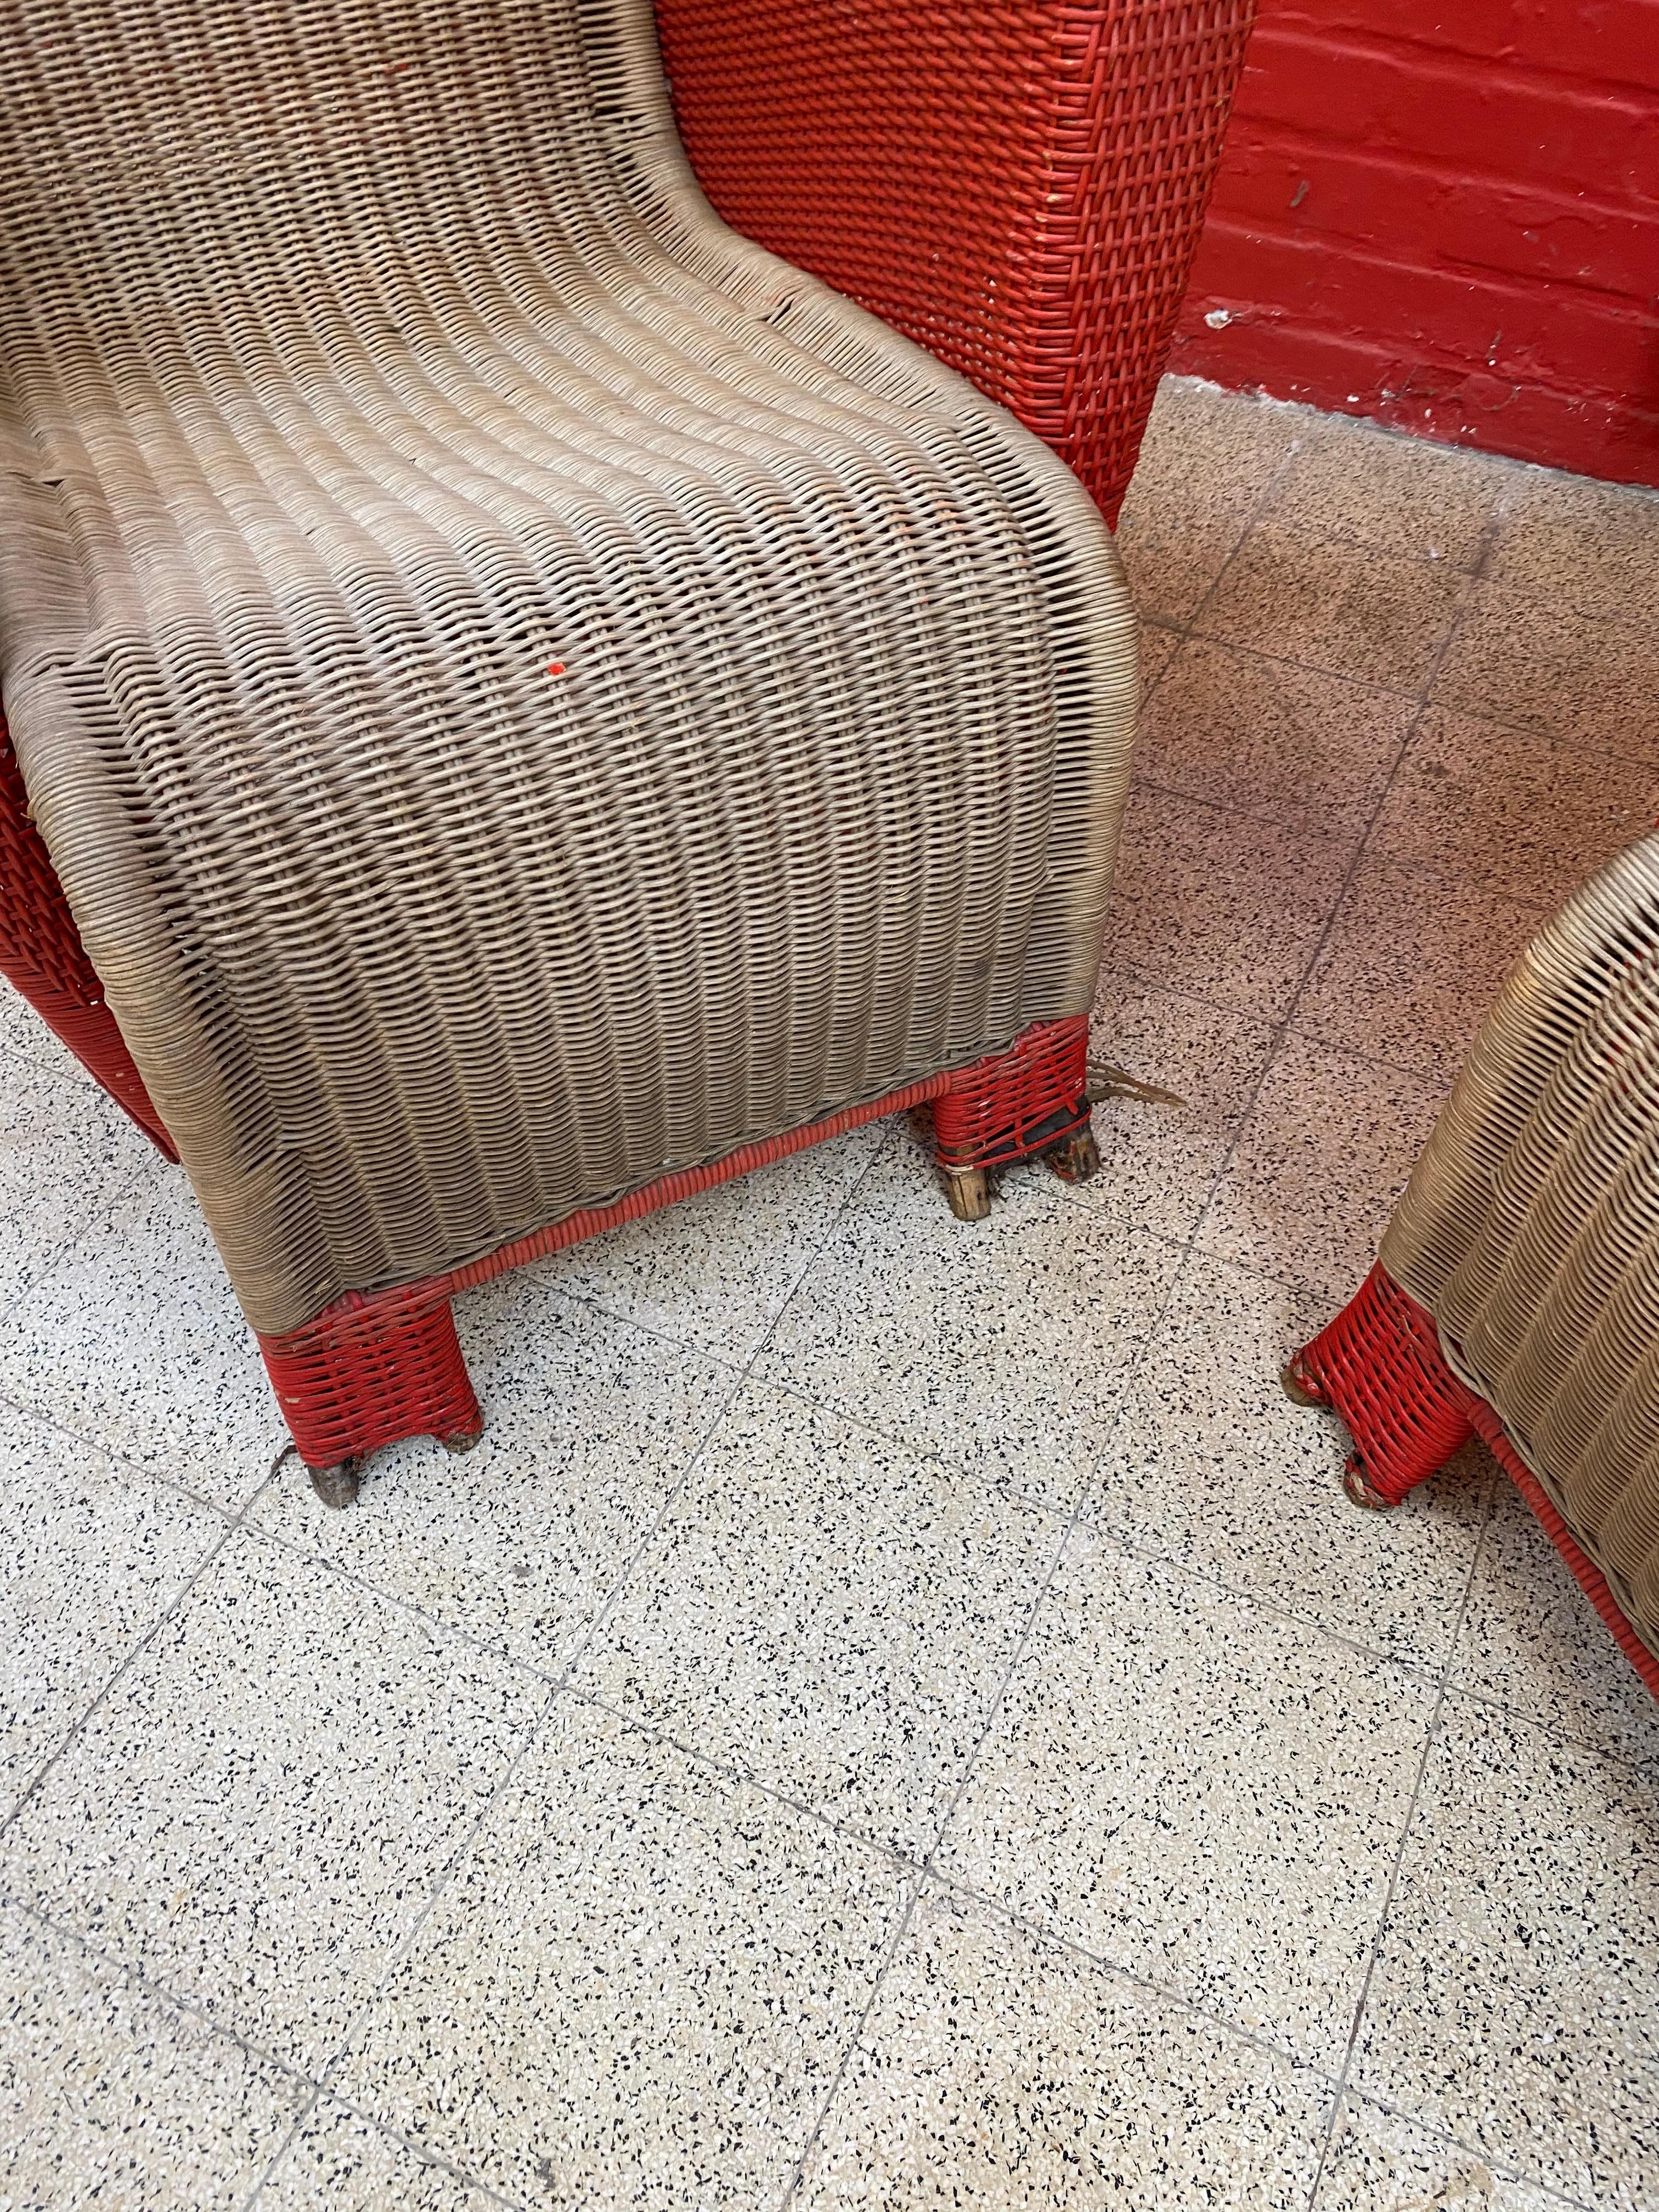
column 894, row 1714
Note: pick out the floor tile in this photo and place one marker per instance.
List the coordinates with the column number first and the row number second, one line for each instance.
column 109, row 2096
column 638, row 1985
column 1411, row 968
column 257, row 1814
column 1341, row 608
column 1396, row 493
column 1159, row 1158
column 1264, row 737
column 1486, row 807
column 1595, row 545
column 1212, row 1466
column 998, row 2071
column 60, row 1143
column 589, row 1424
column 829, row 1613
column 1204, row 467
column 1582, row 676
column 1198, row 1791
column 1378, row 2163
column 135, row 1340
column 1204, row 447
column 24, row 1036
column 1325, row 1153
column 997, row 1346
column 91, row 1561
column 1533, row 1641
column 1219, row 904
column 1516, row 1993
column 339, row 2163
column 715, row 1269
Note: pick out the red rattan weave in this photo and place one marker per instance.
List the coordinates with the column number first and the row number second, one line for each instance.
column 1379, row 1364
column 42, row 955
column 1018, row 185
column 1380, row 1367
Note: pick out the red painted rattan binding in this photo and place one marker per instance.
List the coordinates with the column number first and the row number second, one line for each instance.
column 1379, row 1366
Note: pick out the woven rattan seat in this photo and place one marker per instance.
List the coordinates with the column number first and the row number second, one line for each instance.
column 1517, row 1288
column 531, row 698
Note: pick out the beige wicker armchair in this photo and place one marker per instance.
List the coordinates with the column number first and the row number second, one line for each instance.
column 524, row 702
column 1517, row 1291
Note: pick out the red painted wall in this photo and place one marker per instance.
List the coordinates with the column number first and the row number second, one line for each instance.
column 1444, row 214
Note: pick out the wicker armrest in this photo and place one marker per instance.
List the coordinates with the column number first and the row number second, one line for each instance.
column 1018, row 185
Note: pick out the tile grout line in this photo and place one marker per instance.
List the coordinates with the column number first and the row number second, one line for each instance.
column 1160, row 1995
column 734, row 1374
column 1028, row 1501
column 553, row 1684
column 233, row 1526
column 1133, row 1366
column 559, row 1679
column 422, row 2152
column 992, row 1710
column 1184, row 629
column 1439, row 2134
column 1429, row 873
column 1286, row 1022
column 741, row 1378
column 133, row 1473
column 321, row 2080
column 1375, row 1953
column 219, row 2030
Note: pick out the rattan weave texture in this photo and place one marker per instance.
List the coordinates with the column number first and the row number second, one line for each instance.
column 1530, row 1226
column 1018, row 185
column 524, row 691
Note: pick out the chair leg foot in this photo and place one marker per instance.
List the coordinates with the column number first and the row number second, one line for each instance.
column 968, row 1190
column 1354, row 1482
column 337, row 1486
column 462, row 1440
column 1296, row 1388
column 1076, row 1157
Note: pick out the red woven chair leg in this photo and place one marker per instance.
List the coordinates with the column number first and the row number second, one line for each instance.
column 1379, row 1365
column 1031, row 1098
column 367, row 1372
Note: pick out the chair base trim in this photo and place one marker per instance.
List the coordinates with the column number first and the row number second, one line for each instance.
column 376, row 1368
column 1380, row 1368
